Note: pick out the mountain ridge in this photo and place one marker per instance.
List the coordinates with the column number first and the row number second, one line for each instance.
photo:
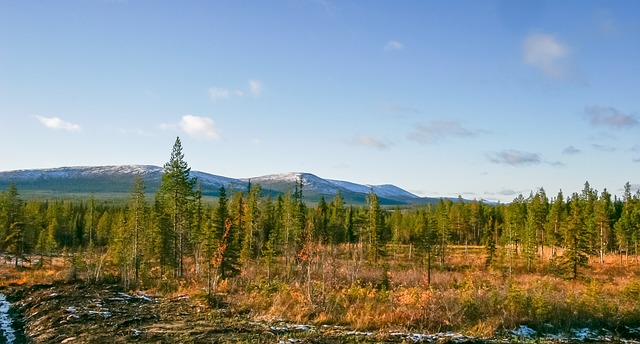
column 116, row 179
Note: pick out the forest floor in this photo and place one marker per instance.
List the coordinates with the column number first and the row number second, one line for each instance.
column 478, row 305
column 66, row 312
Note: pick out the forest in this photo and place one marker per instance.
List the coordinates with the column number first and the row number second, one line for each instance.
column 455, row 264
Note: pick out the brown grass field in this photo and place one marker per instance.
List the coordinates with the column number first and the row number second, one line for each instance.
column 464, row 295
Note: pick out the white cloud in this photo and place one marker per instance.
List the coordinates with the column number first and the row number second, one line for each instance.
column 393, row 46
column 439, row 129
column 547, row 54
column 514, row 158
column 58, row 124
column 199, row 127
column 256, row 141
column 217, row 93
column 601, row 116
column 603, row 148
column 571, row 150
column 255, row 86
column 368, row 141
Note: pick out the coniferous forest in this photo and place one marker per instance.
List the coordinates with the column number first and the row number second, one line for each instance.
column 559, row 260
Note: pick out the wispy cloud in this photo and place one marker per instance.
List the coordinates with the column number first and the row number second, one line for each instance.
column 571, row 150
column 393, row 46
column 514, row 158
column 508, row 192
column 549, row 55
column 398, row 109
column 199, row 127
column 636, row 160
column 255, row 86
column 439, row 129
column 218, row 93
column 601, row 116
column 368, row 141
column 603, row 148
column 58, row 124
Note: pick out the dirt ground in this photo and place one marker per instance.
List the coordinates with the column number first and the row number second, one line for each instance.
column 80, row 313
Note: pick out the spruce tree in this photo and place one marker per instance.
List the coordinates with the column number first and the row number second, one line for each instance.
column 12, row 224
column 176, row 194
column 603, row 211
column 577, row 238
column 555, row 223
column 375, row 228
column 137, row 214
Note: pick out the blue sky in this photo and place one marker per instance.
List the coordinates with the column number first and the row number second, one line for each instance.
column 484, row 99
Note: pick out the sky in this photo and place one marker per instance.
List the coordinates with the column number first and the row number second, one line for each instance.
column 482, row 99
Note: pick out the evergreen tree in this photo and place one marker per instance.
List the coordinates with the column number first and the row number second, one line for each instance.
column 12, row 230
column 251, row 220
column 337, row 220
column 626, row 226
column 577, row 238
column 222, row 253
column 555, row 223
column 603, row 211
column 122, row 248
column 427, row 233
column 375, row 228
column 90, row 221
column 198, row 232
column 137, row 213
column 176, row 194
column 231, row 261
column 442, row 218
column 47, row 240
column 269, row 234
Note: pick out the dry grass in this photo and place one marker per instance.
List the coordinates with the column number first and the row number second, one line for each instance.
column 51, row 271
column 464, row 295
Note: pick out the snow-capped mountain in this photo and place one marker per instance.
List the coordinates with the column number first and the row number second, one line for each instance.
column 314, row 187
column 119, row 180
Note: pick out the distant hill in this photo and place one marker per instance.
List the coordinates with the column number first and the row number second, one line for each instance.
column 114, row 180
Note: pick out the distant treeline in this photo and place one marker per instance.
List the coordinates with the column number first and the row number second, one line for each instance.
column 177, row 236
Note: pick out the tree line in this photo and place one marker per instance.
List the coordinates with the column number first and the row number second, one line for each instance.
column 177, row 236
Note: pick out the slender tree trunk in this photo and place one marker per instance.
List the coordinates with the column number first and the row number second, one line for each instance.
column 429, row 266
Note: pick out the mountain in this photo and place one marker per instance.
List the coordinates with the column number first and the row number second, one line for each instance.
column 314, row 187
column 116, row 180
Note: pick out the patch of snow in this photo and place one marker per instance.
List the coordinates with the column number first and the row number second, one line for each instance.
column 302, row 327
column 279, row 329
column 418, row 337
column 358, row 333
column 105, row 314
column 524, row 331
column 5, row 321
column 633, row 330
column 385, row 190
